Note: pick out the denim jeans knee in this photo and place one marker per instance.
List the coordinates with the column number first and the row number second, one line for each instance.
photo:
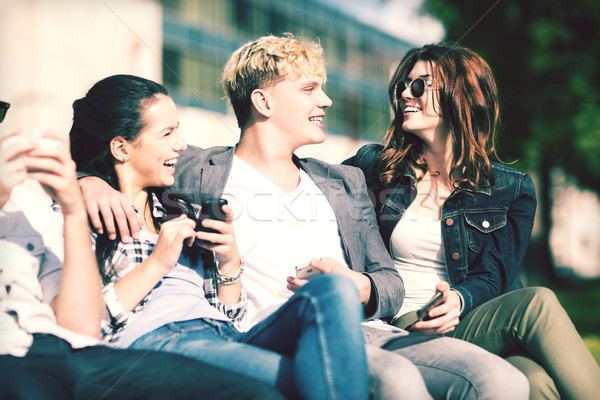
column 337, row 288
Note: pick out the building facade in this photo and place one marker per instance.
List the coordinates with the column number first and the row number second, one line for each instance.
column 200, row 35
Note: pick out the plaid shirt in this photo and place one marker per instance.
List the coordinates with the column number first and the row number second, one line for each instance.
column 126, row 258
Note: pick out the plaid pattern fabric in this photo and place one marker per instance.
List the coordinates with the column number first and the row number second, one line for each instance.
column 236, row 312
column 127, row 257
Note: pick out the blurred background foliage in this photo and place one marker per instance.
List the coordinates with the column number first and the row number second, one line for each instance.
column 545, row 56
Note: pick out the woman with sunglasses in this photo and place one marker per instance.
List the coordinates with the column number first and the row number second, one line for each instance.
column 165, row 292
column 457, row 222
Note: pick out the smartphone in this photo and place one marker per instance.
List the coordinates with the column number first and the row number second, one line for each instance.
column 306, row 271
column 423, row 312
column 211, row 209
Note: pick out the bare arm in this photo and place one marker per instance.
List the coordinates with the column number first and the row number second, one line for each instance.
column 78, row 305
column 225, row 248
column 133, row 287
column 105, row 204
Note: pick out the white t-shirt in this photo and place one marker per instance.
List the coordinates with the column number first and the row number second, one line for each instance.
column 418, row 254
column 31, row 258
column 276, row 231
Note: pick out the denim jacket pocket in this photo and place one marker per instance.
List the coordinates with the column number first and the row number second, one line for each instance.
column 481, row 224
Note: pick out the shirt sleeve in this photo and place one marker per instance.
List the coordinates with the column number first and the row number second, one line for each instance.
column 387, row 285
column 115, row 317
column 497, row 263
column 234, row 311
column 50, row 272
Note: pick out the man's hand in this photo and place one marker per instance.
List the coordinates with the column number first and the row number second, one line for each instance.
column 330, row 266
column 103, row 203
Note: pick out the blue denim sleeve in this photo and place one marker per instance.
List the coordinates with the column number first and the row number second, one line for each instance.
column 498, row 262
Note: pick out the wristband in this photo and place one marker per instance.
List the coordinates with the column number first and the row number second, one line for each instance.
column 230, row 279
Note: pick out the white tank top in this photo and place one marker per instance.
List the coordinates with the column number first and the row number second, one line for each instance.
column 418, row 253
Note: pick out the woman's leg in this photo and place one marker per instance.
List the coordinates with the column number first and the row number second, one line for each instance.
column 541, row 385
column 213, row 342
column 319, row 327
column 532, row 320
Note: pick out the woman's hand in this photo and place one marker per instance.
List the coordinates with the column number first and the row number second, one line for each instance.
column 445, row 317
column 222, row 242
column 51, row 165
column 168, row 248
column 134, row 286
column 224, row 245
column 13, row 167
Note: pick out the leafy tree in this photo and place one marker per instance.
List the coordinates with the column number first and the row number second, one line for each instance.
column 545, row 56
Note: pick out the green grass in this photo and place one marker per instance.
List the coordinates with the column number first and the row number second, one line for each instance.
column 593, row 343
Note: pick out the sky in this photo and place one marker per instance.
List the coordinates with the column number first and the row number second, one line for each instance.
column 400, row 18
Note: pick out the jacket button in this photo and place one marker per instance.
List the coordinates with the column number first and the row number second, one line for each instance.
column 455, row 256
column 485, row 224
column 449, row 222
column 30, row 246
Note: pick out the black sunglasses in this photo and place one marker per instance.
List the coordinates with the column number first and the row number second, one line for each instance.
column 3, row 108
column 417, row 87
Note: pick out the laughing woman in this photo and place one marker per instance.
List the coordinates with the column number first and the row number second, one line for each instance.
column 164, row 292
column 457, row 222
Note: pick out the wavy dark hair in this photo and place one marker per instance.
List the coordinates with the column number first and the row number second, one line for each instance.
column 469, row 104
column 113, row 107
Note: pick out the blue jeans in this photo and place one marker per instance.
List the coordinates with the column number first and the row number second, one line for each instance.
column 311, row 347
column 394, row 377
column 53, row 370
column 452, row 368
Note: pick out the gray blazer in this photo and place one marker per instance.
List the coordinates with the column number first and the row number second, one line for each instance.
column 202, row 174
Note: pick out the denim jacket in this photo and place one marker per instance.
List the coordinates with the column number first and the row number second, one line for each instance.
column 485, row 231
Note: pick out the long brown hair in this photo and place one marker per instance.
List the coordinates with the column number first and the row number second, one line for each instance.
column 469, row 104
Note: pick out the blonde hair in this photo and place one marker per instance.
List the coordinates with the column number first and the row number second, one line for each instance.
column 266, row 61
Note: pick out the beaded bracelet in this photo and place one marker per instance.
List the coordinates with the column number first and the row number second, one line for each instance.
column 231, row 279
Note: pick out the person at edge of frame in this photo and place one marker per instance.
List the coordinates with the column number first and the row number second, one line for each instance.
column 51, row 301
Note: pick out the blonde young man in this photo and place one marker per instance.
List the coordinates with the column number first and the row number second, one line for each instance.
column 292, row 211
